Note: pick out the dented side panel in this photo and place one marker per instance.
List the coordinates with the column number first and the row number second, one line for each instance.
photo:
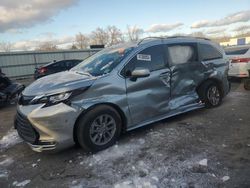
column 109, row 89
column 154, row 96
column 149, row 96
column 184, row 80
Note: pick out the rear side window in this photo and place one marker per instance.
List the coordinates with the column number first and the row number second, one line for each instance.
column 59, row 64
column 208, row 52
column 77, row 62
column 234, row 51
column 151, row 58
column 182, row 53
column 69, row 64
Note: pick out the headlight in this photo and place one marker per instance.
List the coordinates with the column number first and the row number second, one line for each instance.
column 53, row 99
column 60, row 97
column 64, row 97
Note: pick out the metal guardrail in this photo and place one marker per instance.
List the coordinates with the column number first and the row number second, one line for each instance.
column 23, row 64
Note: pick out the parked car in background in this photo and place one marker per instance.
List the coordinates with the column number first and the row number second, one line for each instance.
column 9, row 90
column 55, row 66
column 121, row 88
column 239, row 61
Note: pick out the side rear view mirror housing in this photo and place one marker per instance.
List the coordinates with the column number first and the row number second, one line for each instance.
column 139, row 72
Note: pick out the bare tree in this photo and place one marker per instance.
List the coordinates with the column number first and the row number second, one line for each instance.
column 99, row 36
column 198, row 34
column 24, row 48
column 179, row 34
column 5, row 46
column 242, row 31
column 115, row 35
column 47, row 46
column 73, row 47
column 219, row 39
column 82, row 41
column 134, row 33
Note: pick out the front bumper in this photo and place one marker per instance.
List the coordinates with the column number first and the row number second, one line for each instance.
column 49, row 128
column 44, row 146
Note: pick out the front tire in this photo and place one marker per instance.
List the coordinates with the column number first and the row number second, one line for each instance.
column 210, row 94
column 99, row 128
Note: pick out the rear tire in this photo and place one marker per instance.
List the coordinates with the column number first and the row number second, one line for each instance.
column 99, row 128
column 210, row 94
column 247, row 84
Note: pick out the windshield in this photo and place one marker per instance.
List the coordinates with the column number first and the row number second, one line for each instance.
column 104, row 61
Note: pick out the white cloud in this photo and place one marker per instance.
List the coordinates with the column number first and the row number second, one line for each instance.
column 16, row 14
column 215, row 31
column 47, row 35
column 61, row 41
column 155, row 28
column 241, row 28
column 242, row 16
column 16, row 31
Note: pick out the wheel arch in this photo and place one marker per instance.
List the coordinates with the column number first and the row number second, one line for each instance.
column 215, row 80
column 116, row 107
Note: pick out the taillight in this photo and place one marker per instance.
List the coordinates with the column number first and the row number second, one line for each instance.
column 240, row 60
column 42, row 70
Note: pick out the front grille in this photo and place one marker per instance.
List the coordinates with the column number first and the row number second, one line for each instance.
column 25, row 129
column 25, row 100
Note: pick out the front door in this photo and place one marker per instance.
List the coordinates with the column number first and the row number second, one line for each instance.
column 148, row 97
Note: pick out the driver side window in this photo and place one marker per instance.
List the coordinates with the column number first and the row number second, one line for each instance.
column 151, row 58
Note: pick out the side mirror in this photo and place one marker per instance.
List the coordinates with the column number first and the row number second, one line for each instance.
column 139, row 72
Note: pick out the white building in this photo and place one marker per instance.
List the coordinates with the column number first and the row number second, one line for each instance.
column 236, row 41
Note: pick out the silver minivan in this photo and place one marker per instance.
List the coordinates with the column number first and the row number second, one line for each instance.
column 121, row 88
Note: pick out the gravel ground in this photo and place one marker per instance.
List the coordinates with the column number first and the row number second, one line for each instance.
column 203, row 148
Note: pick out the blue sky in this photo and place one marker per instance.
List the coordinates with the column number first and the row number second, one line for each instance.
column 84, row 16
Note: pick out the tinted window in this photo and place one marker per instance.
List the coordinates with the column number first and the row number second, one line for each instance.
column 77, row 62
column 182, row 53
column 59, row 64
column 236, row 51
column 70, row 64
column 151, row 58
column 208, row 52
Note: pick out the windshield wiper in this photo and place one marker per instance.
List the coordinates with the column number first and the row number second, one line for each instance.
column 83, row 73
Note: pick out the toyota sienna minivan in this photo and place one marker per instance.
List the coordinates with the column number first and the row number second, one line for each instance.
column 121, row 88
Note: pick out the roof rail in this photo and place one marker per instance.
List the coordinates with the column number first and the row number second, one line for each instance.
column 179, row 36
column 146, row 38
column 183, row 36
column 203, row 38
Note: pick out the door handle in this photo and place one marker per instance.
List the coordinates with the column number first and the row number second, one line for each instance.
column 165, row 74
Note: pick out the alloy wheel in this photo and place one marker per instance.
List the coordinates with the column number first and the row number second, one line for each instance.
column 103, row 129
column 213, row 95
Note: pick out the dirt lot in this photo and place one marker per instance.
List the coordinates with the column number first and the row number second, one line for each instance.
column 203, row 148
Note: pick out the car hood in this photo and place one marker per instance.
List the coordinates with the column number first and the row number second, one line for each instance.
column 58, row 83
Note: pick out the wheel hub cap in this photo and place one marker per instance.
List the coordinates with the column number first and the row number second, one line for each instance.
column 102, row 130
column 213, row 95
